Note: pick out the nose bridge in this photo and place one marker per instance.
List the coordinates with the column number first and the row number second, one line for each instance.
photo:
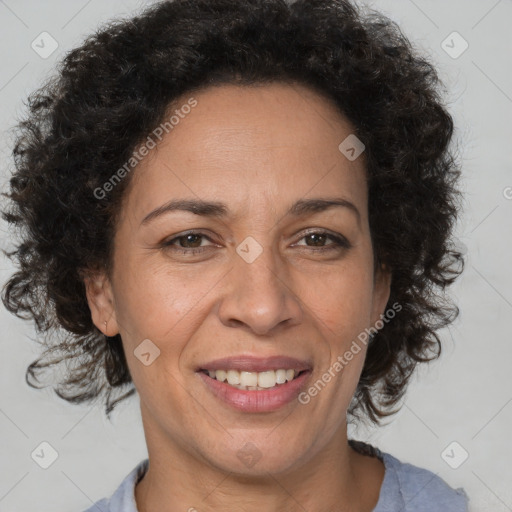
column 260, row 295
column 259, row 266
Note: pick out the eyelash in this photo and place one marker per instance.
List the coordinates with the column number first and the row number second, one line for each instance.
column 339, row 242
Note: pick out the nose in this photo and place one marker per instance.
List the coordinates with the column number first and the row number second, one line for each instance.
column 260, row 296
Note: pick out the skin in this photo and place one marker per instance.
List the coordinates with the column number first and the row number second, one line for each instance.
column 258, row 150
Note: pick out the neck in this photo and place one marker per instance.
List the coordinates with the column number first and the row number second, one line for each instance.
column 336, row 478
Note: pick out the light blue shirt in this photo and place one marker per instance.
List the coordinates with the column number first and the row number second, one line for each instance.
column 405, row 488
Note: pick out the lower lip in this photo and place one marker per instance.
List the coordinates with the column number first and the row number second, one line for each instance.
column 256, row 401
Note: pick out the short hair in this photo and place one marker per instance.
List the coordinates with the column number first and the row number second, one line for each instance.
column 111, row 92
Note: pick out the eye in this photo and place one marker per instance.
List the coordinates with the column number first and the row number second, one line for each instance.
column 191, row 242
column 187, row 243
column 320, row 237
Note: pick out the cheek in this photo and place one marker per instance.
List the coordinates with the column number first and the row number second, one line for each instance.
column 163, row 306
column 155, row 301
column 341, row 299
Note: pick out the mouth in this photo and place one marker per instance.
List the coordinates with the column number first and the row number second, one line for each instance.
column 254, row 381
column 255, row 385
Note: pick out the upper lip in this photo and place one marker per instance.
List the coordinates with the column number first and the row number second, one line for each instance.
column 256, row 364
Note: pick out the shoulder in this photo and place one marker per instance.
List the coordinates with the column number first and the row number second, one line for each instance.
column 99, row 505
column 123, row 499
column 417, row 489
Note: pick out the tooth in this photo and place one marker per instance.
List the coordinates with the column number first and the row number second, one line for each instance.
column 253, row 380
column 267, row 379
column 290, row 374
column 233, row 377
column 280, row 376
column 220, row 375
column 248, row 379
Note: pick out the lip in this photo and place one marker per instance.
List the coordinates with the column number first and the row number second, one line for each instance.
column 248, row 363
column 256, row 401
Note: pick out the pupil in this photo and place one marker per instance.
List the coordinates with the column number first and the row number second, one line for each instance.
column 318, row 237
column 190, row 239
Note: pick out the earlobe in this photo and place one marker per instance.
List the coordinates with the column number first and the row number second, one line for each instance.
column 100, row 298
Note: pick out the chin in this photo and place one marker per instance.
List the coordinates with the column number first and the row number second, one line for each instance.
column 251, row 454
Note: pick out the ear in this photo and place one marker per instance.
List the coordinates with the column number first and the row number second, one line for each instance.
column 381, row 292
column 100, row 298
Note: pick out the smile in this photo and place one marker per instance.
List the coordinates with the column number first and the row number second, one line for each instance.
column 273, row 395
column 253, row 381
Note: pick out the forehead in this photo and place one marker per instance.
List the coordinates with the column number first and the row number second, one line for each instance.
column 229, row 117
column 260, row 144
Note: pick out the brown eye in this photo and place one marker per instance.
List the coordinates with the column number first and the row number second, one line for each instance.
column 187, row 243
column 319, row 239
column 191, row 239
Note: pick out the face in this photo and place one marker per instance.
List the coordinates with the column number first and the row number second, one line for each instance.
column 265, row 272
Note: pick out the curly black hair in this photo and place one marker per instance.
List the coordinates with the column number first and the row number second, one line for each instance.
column 114, row 89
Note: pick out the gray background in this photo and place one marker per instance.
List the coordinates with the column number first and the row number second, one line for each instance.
column 465, row 397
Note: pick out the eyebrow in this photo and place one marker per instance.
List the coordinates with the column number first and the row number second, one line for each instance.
column 216, row 209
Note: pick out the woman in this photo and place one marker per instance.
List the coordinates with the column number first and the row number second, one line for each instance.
column 242, row 211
